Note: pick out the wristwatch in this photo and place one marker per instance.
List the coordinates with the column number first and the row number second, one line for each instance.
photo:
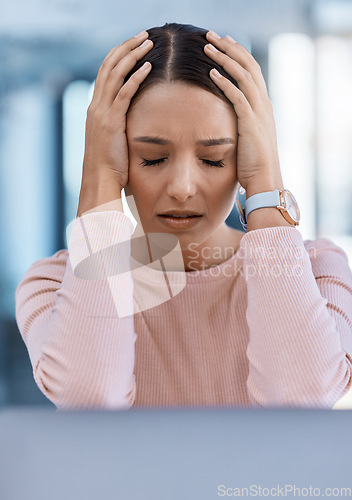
column 282, row 199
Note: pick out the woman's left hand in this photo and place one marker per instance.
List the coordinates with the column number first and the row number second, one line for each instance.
column 258, row 167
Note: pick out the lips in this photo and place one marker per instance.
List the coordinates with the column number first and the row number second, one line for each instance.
column 179, row 216
column 175, row 212
column 179, row 222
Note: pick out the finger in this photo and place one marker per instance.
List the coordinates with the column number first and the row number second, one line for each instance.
column 244, row 79
column 110, row 61
column 122, row 101
column 239, row 53
column 240, row 103
column 117, row 75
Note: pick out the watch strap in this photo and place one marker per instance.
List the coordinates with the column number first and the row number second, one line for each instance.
column 260, row 200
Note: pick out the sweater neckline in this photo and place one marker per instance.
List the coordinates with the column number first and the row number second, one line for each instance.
column 156, row 276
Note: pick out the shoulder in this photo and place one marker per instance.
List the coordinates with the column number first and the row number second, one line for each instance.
column 39, row 283
column 328, row 259
column 52, row 266
column 57, row 259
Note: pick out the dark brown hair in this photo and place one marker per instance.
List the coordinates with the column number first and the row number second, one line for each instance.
column 178, row 55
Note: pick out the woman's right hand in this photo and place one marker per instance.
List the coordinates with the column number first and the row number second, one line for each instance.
column 106, row 149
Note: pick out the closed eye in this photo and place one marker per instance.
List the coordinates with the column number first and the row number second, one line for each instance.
column 210, row 163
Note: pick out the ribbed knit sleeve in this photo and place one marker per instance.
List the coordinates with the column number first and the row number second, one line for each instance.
column 299, row 317
column 74, row 311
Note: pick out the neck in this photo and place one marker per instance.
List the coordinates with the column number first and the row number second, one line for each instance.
column 217, row 248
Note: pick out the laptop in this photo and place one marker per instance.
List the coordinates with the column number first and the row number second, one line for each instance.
column 173, row 454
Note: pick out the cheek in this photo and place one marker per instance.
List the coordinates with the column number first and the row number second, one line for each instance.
column 139, row 188
column 226, row 192
column 228, row 181
column 142, row 179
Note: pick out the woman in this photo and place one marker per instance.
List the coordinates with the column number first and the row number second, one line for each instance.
column 205, row 315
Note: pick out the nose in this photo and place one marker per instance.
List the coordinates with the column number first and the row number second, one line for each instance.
column 181, row 181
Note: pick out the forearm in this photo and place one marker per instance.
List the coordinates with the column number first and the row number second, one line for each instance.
column 99, row 193
column 83, row 351
column 76, row 318
column 295, row 353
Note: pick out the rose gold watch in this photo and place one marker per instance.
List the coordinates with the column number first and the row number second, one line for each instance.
column 282, row 199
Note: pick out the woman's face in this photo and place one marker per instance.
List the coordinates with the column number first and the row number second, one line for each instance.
column 183, row 116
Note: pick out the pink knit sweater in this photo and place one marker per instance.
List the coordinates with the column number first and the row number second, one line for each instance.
column 269, row 327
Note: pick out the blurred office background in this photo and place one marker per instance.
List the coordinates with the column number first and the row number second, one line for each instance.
column 50, row 52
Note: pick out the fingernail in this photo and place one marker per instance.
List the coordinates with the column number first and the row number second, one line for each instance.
column 145, row 66
column 146, row 42
column 216, row 73
column 142, row 33
column 230, row 38
column 212, row 48
column 215, row 35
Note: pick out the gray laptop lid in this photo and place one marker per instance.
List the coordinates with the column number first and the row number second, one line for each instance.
column 173, row 454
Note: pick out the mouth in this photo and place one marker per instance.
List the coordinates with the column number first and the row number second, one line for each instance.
column 179, row 221
column 179, row 216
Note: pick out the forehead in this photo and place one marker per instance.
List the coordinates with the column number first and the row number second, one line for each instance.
column 178, row 105
column 177, row 93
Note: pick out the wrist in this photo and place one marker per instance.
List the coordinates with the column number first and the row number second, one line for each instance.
column 262, row 185
column 265, row 216
column 99, row 193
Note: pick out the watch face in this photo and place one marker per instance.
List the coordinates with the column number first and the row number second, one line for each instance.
column 292, row 205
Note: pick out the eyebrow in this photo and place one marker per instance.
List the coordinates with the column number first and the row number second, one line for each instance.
column 206, row 142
